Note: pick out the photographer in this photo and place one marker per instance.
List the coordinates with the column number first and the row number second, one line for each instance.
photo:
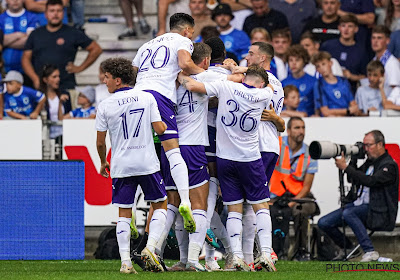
column 372, row 202
column 292, row 179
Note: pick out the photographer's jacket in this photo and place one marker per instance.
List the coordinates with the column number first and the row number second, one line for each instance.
column 383, row 193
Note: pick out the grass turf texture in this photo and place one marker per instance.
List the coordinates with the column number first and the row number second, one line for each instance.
column 99, row 269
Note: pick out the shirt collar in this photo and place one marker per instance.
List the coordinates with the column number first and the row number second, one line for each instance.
column 226, row 32
column 248, row 86
column 122, row 89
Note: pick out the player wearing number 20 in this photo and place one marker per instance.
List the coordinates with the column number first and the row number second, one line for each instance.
column 128, row 115
column 239, row 164
column 158, row 63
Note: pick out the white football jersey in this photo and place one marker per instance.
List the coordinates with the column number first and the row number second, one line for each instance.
column 192, row 109
column 128, row 115
column 212, row 115
column 269, row 141
column 239, row 112
column 157, row 61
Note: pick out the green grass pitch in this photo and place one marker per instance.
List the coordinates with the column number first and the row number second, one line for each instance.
column 109, row 270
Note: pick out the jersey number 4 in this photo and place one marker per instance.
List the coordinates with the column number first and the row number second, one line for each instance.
column 125, row 124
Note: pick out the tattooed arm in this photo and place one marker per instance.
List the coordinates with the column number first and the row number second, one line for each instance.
column 191, row 84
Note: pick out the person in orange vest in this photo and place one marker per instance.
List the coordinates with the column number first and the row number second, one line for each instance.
column 292, row 179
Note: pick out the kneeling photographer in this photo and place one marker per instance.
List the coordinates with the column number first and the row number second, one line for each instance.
column 290, row 187
column 371, row 203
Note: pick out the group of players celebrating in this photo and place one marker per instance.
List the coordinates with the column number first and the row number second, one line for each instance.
column 228, row 123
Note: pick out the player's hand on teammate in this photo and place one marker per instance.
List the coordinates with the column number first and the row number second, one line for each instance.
column 105, row 169
column 269, row 115
column 239, row 70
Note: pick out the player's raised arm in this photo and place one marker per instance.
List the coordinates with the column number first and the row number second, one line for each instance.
column 191, row 84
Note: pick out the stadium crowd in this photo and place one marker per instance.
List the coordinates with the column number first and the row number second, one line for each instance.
column 331, row 58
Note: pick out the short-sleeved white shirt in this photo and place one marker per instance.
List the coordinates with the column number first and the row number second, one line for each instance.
column 395, row 96
column 211, row 119
column 239, row 113
column 128, row 115
column 268, row 134
column 192, row 110
column 157, row 61
column 392, row 73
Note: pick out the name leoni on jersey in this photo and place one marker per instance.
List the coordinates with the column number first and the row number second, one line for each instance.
column 246, row 96
column 128, row 100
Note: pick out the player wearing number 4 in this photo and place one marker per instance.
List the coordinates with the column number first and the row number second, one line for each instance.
column 239, row 164
column 129, row 115
column 158, row 63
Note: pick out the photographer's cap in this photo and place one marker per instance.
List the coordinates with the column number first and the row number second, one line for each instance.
column 89, row 92
column 13, row 76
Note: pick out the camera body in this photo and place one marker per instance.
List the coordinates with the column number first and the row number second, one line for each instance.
column 327, row 150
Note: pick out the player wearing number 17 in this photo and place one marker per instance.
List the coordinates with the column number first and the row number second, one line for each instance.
column 239, row 165
column 129, row 114
column 158, row 63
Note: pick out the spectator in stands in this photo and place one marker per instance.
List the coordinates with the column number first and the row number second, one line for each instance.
column 308, row 41
column 21, row 102
column 235, row 41
column 281, row 40
column 325, row 27
column 206, row 33
column 86, row 98
column 297, row 59
column 364, row 11
column 57, row 102
column 127, row 12
column 57, row 44
column 265, row 17
column 298, row 12
column 241, row 10
column 166, row 8
column 393, row 101
column 350, row 53
column 293, row 178
column 39, row 7
column 373, row 201
column 332, row 95
column 392, row 20
column 379, row 41
column 201, row 15
column 101, row 89
column 17, row 24
column 368, row 97
column 291, row 102
column 394, row 45
column 77, row 8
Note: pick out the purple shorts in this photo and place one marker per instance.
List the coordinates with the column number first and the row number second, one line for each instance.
column 211, row 150
column 167, row 112
column 242, row 180
column 124, row 189
column 196, row 161
column 269, row 160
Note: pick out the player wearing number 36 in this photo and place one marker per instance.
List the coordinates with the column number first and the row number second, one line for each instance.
column 239, row 165
column 128, row 115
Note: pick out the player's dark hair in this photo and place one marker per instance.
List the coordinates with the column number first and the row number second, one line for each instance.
column 298, row 51
column 289, row 124
column 119, row 67
column 178, row 21
column 200, row 51
column 258, row 71
column 265, row 48
column 378, row 136
column 376, row 65
column 208, row 32
column 54, row 2
column 218, row 53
